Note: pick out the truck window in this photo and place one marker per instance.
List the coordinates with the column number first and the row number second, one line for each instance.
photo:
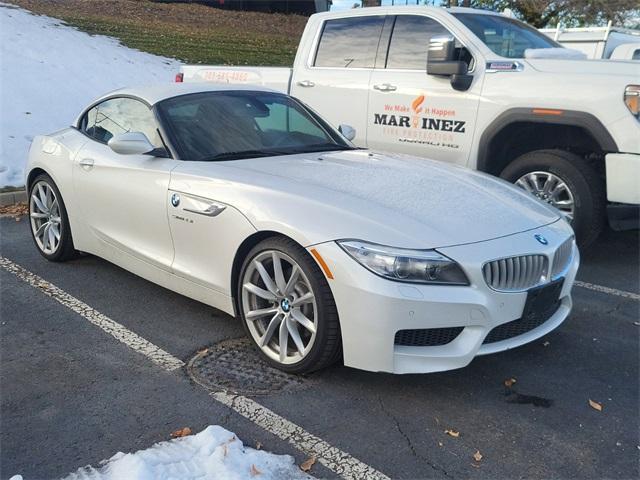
column 505, row 36
column 410, row 41
column 349, row 42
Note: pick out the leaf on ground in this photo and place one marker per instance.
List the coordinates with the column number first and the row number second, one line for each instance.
column 258, row 445
column 255, row 471
column 183, row 432
column 452, row 433
column 595, row 405
column 202, row 351
column 509, row 382
column 477, row 456
column 307, row 464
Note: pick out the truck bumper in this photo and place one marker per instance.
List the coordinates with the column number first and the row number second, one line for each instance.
column 623, row 178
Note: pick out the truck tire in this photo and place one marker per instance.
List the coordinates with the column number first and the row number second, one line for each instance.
column 572, row 185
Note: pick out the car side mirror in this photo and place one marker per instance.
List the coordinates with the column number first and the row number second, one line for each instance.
column 131, row 143
column 347, row 131
column 441, row 61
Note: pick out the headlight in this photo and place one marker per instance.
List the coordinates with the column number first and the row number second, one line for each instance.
column 403, row 265
column 632, row 99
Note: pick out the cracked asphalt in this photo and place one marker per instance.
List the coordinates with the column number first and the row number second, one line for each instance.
column 72, row 395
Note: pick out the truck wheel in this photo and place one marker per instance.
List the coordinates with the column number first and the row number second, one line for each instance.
column 566, row 181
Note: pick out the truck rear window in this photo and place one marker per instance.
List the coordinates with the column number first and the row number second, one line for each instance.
column 349, row 42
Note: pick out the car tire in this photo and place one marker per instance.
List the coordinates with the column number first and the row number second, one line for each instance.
column 46, row 207
column 318, row 343
column 583, row 183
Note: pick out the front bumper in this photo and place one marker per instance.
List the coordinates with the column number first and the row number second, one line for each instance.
column 372, row 309
column 623, row 177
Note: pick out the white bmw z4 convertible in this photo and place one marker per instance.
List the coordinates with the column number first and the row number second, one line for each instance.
column 246, row 200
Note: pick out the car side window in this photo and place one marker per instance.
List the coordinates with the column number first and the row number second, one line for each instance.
column 349, row 42
column 410, row 39
column 120, row 115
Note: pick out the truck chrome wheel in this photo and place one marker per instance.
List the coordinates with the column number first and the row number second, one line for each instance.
column 279, row 307
column 551, row 189
column 44, row 213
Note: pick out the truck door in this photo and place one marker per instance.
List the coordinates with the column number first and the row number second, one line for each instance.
column 416, row 113
column 334, row 80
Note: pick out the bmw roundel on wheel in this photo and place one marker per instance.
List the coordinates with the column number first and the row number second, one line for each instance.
column 244, row 199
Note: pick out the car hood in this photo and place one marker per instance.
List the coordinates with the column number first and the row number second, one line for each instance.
column 389, row 199
column 586, row 67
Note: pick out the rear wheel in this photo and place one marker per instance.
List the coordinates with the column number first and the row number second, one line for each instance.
column 566, row 181
column 48, row 220
column 287, row 308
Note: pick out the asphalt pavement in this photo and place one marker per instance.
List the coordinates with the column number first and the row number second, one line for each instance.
column 72, row 395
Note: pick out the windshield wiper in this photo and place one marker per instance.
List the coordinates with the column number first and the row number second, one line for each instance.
column 323, row 147
column 243, row 154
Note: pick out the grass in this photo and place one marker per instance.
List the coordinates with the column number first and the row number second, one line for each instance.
column 193, row 33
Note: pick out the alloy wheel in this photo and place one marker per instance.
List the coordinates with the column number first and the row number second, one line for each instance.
column 44, row 213
column 551, row 189
column 279, row 307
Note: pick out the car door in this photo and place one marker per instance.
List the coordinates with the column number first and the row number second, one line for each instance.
column 334, row 80
column 416, row 113
column 123, row 198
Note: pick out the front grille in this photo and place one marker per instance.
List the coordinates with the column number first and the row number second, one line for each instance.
column 521, row 326
column 561, row 257
column 427, row 337
column 515, row 273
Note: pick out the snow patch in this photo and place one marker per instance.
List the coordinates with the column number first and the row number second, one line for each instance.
column 50, row 72
column 214, row 453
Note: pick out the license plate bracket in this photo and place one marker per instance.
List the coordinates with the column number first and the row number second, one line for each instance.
column 542, row 301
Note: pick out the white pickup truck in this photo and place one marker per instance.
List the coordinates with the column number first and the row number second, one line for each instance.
column 477, row 89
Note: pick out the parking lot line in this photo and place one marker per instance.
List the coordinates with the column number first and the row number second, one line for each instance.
column 119, row 332
column 338, row 461
column 608, row 290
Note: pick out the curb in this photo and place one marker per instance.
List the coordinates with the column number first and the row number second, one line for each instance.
column 11, row 198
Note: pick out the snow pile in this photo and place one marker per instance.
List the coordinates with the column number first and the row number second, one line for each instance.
column 214, row 453
column 50, row 72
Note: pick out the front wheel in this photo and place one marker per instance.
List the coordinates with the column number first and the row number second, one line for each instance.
column 566, row 181
column 287, row 308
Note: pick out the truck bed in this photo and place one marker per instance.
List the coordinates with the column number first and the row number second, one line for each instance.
column 277, row 78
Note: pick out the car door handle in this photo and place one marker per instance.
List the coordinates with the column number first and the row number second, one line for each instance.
column 87, row 163
column 385, row 87
column 306, row 83
column 212, row 210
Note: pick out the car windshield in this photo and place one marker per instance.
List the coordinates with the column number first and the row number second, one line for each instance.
column 229, row 125
column 505, row 36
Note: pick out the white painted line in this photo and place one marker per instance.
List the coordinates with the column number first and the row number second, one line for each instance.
column 334, row 459
column 338, row 461
column 610, row 291
column 119, row 332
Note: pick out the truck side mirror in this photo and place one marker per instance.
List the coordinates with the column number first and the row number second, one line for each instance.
column 441, row 61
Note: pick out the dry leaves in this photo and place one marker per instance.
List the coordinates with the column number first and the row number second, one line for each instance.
column 509, row 382
column 307, row 464
column 258, row 445
column 15, row 211
column 183, row 432
column 595, row 405
column 254, row 471
column 452, row 433
column 477, row 456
